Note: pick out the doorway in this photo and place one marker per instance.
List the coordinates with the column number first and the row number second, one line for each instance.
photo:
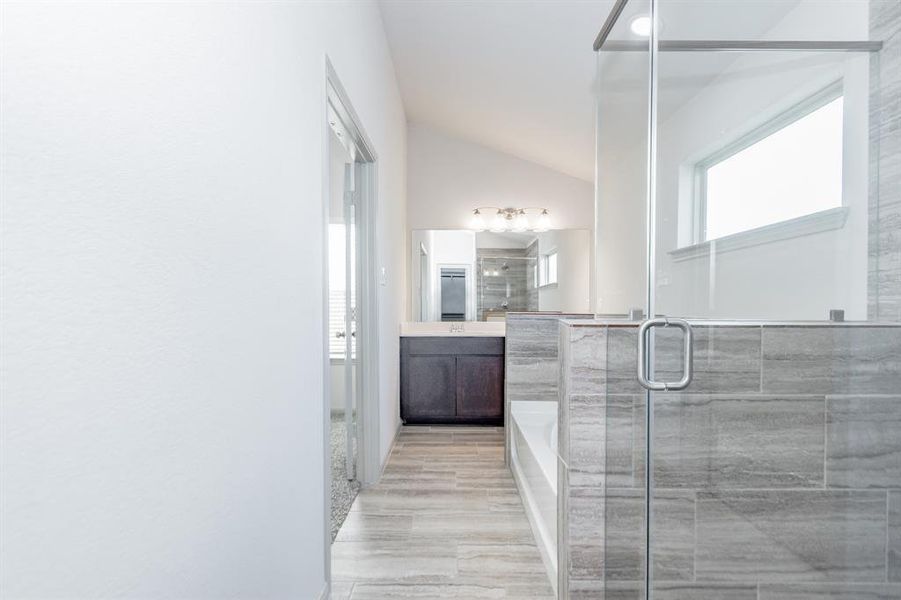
column 351, row 401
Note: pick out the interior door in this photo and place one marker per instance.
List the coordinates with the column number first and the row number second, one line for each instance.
column 351, row 388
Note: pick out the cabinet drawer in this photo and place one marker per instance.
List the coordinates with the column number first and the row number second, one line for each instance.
column 451, row 346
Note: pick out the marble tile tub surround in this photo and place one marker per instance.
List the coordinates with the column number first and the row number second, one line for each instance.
column 531, row 368
column 777, row 472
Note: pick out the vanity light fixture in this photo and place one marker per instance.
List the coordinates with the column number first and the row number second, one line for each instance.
column 478, row 221
column 544, row 222
column 510, row 219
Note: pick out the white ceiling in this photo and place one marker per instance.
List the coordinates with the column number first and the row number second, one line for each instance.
column 519, row 75
column 515, row 76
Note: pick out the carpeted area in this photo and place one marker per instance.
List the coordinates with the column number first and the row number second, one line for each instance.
column 343, row 491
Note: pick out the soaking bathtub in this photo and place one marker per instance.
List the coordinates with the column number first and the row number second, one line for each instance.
column 533, row 430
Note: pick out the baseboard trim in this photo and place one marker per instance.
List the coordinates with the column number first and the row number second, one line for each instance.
column 390, row 452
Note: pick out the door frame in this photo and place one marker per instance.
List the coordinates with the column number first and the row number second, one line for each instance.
column 469, row 314
column 336, row 101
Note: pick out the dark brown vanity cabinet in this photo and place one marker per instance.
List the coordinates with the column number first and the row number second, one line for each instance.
column 452, row 380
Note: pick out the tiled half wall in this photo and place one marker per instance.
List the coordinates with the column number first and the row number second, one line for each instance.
column 531, row 367
column 777, row 472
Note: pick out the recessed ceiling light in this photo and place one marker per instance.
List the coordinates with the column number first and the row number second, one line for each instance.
column 641, row 25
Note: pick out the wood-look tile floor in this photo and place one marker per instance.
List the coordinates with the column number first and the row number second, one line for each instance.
column 445, row 521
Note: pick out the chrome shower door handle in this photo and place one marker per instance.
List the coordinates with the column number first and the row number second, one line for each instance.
column 687, row 362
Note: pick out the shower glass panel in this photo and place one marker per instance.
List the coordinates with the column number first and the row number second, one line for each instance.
column 771, row 149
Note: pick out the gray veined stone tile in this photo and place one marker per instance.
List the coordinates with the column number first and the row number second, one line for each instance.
column 587, row 589
column 586, row 369
column 486, row 589
column 622, row 361
column 791, row 536
column 341, row 590
column 519, row 561
column 714, row 441
column 894, row 537
column 703, row 591
column 585, row 514
column 863, row 442
column 530, row 378
column 361, row 526
column 586, row 434
column 672, row 535
column 827, row 591
column 726, row 358
column 621, row 437
column 532, row 336
column 831, row 360
column 624, row 590
column 625, row 536
column 428, row 562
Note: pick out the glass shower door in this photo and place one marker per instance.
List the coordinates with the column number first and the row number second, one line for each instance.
column 774, row 430
column 756, row 187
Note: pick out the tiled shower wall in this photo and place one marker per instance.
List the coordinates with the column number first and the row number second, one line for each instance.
column 885, row 164
column 511, row 284
column 531, row 367
column 777, row 473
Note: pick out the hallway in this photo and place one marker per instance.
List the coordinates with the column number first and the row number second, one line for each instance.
column 445, row 521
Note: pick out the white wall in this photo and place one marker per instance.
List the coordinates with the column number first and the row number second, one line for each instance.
column 162, row 314
column 448, row 177
column 572, row 292
column 456, row 248
column 800, row 278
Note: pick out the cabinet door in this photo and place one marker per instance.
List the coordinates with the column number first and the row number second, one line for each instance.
column 431, row 383
column 480, row 386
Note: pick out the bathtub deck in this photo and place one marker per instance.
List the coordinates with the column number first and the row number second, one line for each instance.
column 445, row 521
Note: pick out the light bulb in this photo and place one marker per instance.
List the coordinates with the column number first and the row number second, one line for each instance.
column 544, row 222
column 641, row 25
column 520, row 221
column 498, row 223
column 478, row 221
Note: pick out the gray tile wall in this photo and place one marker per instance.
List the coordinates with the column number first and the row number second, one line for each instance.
column 531, row 367
column 511, row 284
column 884, row 274
column 777, row 473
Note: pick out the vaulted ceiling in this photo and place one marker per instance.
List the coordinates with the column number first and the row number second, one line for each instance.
column 519, row 76
column 515, row 76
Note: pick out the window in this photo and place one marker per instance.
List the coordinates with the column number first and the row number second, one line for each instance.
column 789, row 168
column 547, row 269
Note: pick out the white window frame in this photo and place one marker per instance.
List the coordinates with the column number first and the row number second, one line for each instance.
column 543, row 268
column 797, row 112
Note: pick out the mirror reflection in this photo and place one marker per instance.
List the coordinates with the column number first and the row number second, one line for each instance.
column 462, row 275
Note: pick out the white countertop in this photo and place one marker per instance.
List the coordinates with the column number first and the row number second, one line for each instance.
column 443, row 329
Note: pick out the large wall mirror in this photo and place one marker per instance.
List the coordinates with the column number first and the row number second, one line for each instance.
column 462, row 275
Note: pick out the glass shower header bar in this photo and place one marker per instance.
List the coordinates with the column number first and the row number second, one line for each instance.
column 723, row 45
column 615, row 12
column 744, row 46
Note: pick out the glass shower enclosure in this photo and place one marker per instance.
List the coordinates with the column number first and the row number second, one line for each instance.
column 749, row 202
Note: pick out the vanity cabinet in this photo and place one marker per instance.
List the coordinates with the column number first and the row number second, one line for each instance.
column 452, row 380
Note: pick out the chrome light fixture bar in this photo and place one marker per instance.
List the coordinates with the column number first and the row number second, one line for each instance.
column 510, row 219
